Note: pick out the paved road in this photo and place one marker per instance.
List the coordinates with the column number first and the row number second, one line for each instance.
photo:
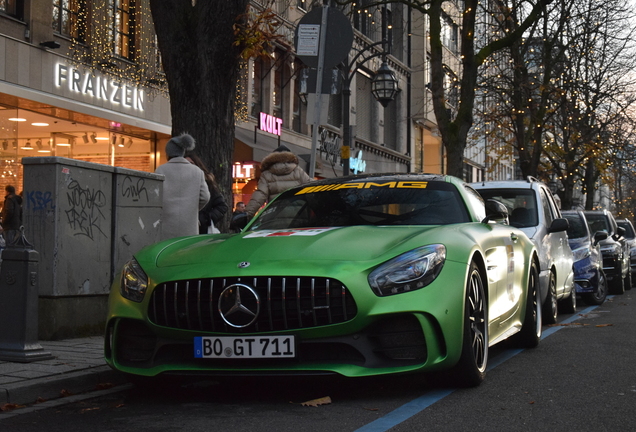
column 581, row 377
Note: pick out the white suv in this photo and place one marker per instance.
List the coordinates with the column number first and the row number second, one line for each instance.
column 533, row 209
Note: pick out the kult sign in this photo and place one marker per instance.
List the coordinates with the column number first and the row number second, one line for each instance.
column 270, row 124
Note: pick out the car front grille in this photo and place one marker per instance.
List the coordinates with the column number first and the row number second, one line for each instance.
column 286, row 303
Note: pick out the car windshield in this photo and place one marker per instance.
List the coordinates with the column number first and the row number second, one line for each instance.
column 629, row 229
column 576, row 228
column 521, row 204
column 365, row 203
column 597, row 222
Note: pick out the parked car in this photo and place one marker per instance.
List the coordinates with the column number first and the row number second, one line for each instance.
column 533, row 210
column 630, row 236
column 614, row 248
column 589, row 278
column 358, row 276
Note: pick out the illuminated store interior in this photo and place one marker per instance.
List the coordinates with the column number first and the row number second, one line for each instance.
column 29, row 129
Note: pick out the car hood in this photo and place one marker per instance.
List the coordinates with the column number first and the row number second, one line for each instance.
column 353, row 243
column 576, row 243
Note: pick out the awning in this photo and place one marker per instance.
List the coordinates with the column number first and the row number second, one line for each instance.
column 262, row 144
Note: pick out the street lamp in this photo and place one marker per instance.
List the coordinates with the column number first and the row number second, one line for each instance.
column 384, row 87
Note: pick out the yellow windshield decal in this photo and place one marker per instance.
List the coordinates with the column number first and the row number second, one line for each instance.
column 364, row 185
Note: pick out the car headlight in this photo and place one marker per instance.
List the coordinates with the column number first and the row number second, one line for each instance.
column 580, row 253
column 134, row 281
column 408, row 272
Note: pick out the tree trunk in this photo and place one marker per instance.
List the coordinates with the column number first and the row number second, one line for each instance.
column 201, row 66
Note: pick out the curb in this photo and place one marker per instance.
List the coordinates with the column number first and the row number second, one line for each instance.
column 47, row 388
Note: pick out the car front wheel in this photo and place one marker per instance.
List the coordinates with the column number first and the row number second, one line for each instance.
column 530, row 333
column 597, row 297
column 550, row 307
column 568, row 305
column 618, row 283
column 471, row 368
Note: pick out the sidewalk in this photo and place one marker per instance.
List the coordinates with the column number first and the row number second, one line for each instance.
column 77, row 366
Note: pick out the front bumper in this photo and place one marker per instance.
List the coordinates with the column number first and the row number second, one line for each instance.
column 408, row 332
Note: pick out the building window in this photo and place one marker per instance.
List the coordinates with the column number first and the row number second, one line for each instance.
column 121, row 15
column 69, row 18
column 450, row 32
column 12, row 8
column 256, row 86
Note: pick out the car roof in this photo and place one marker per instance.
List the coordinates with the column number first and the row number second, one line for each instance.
column 528, row 183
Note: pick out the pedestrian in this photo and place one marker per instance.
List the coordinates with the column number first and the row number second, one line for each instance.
column 279, row 172
column 11, row 215
column 185, row 191
column 211, row 215
column 239, row 217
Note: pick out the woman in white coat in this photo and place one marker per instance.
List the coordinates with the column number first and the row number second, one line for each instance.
column 185, row 191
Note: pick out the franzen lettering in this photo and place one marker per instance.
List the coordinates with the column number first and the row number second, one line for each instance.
column 99, row 87
column 365, row 185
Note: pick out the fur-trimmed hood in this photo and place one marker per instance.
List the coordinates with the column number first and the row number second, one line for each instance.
column 287, row 159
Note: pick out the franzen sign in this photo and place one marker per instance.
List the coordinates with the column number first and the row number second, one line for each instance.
column 99, row 87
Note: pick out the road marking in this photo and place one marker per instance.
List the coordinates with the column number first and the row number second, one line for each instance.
column 418, row 405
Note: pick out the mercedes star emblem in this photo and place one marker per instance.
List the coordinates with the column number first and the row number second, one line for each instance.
column 239, row 305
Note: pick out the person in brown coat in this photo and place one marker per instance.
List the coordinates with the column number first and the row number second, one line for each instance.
column 279, row 172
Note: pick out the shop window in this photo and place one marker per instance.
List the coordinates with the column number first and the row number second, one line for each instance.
column 12, row 8
column 122, row 28
column 70, row 18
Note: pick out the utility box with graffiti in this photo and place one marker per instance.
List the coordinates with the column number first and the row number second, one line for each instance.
column 85, row 220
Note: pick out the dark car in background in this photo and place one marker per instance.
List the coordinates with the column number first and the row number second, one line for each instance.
column 589, row 278
column 614, row 249
column 630, row 235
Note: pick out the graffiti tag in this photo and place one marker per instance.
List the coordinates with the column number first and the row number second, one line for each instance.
column 85, row 210
column 136, row 191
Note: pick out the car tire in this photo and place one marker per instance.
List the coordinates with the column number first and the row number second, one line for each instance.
column 617, row 286
column 568, row 304
column 598, row 297
column 470, row 370
column 530, row 333
column 550, row 307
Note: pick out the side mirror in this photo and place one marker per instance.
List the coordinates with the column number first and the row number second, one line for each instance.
column 620, row 232
column 495, row 212
column 559, row 224
column 599, row 236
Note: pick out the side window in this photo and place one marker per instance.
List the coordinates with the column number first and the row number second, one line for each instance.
column 477, row 201
column 548, row 207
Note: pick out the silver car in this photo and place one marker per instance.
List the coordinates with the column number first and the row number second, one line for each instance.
column 533, row 209
column 630, row 236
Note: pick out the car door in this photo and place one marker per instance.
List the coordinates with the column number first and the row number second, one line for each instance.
column 559, row 248
column 505, row 261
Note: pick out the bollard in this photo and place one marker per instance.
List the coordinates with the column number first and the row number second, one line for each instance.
column 19, row 303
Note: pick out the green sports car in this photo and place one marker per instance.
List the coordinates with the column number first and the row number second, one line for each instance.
column 358, row 276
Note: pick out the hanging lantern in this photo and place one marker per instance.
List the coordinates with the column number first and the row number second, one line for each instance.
column 384, row 86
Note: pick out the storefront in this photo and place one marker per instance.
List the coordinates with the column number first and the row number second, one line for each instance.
column 68, row 111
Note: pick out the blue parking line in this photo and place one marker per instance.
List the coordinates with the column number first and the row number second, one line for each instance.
column 418, row 405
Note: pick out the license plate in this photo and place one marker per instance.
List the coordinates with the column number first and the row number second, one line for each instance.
column 244, row 347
